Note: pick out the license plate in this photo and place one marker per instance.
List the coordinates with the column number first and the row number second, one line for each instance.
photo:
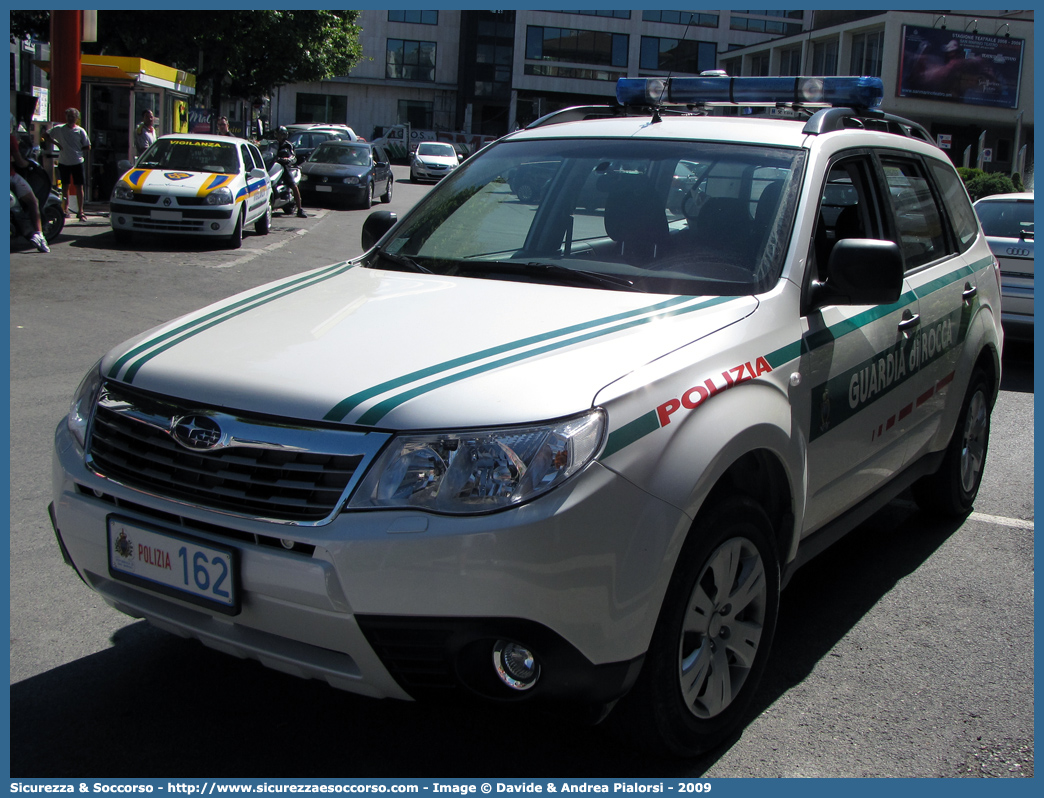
column 324, row 188
column 167, row 216
column 173, row 565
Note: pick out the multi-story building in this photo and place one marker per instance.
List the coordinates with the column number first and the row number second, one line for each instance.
column 966, row 76
column 489, row 71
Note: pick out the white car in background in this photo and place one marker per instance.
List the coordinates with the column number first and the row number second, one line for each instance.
column 433, row 160
column 1007, row 221
column 198, row 185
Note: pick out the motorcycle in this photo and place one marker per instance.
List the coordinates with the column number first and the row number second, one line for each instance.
column 282, row 196
column 52, row 217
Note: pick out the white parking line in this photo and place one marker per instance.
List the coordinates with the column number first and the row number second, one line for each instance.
column 249, row 256
column 1015, row 523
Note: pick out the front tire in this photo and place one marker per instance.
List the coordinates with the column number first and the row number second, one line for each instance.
column 387, row 195
column 951, row 490
column 264, row 222
column 712, row 640
column 235, row 241
column 367, row 200
column 52, row 221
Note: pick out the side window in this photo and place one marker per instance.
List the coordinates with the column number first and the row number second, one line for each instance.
column 259, row 162
column 248, row 159
column 955, row 197
column 847, row 208
column 919, row 223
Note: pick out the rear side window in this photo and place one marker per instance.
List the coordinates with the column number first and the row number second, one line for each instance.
column 955, row 197
column 919, row 222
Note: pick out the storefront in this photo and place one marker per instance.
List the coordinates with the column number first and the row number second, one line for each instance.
column 116, row 90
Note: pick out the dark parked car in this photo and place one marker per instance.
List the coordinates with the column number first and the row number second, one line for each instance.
column 352, row 169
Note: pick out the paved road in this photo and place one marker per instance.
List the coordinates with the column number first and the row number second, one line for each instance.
column 907, row 650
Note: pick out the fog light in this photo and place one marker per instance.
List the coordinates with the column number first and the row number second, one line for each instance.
column 516, row 665
column 121, row 220
column 215, row 226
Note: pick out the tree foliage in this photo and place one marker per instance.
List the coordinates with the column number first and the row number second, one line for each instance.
column 30, row 23
column 235, row 53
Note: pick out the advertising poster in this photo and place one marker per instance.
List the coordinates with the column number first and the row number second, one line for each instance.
column 960, row 67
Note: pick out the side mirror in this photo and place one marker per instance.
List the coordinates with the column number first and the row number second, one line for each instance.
column 256, row 173
column 380, row 164
column 861, row 271
column 376, row 225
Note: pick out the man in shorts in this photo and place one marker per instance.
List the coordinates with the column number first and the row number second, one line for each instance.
column 74, row 142
column 25, row 194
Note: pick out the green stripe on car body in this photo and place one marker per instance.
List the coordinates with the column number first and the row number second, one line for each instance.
column 649, row 423
column 344, row 407
column 175, row 336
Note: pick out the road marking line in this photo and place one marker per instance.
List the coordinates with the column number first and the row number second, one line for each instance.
column 1016, row 523
column 256, row 252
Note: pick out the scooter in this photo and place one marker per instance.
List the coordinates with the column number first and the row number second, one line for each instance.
column 52, row 218
column 282, row 196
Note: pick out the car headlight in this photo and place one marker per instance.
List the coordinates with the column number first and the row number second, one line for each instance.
column 478, row 471
column 123, row 192
column 352, row 180
column 220, row 196
column 303, row 178
column 83, row 403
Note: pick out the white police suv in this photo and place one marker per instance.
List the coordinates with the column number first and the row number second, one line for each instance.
column 194, row 185
column 564, row 450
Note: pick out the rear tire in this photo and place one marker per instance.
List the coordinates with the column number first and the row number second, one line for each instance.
column 951, row 490
column 712, row 640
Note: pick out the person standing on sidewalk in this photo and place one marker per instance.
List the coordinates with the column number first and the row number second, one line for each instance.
column 145, row 132
column 74, row 142
column 222, row 126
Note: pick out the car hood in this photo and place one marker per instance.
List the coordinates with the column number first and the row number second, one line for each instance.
column 437, row 160
column 180, row 184
column 348, row 344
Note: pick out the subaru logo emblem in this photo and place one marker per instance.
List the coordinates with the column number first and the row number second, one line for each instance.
column 197, row 432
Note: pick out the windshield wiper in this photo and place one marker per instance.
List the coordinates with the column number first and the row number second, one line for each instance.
column 550, row 270
column 407, row 264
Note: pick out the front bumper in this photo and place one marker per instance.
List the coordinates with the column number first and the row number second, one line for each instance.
column 142, row 218
column 314, row 188
column 577, row 575
column 422, row 172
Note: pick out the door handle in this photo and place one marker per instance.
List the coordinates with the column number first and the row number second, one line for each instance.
column 969, row 292
column 909, row 321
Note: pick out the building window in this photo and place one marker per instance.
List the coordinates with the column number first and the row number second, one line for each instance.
column 866, row 53
column 694, row 18
column 607, row 13
column 417, row 113
column 574, row 73
column 321, row 108
column 824, row 58
column 790, row 14
column 678, row 55
column 408, row 60
column 790, row 62
column 774, row 27
column 733, row 67
column 578, row 46
column 423, row 17
column 759, row 65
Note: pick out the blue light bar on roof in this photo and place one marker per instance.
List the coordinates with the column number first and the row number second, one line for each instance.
column 858, row 92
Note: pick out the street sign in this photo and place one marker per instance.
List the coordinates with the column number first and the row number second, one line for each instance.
column 945, row 141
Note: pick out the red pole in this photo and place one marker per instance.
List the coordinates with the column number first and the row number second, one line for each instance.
column 66, row 34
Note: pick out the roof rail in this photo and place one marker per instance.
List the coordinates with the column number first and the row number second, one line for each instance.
column 831, row 119
column 577, row 113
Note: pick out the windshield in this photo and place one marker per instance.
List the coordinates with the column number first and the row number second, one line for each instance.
column 186, row 155
column 1006, row 218
column 441, row 150
column 678, row 217
column 340, row 154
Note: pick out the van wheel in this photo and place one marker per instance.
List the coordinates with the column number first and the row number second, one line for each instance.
column 714, row 633
column 951, row 490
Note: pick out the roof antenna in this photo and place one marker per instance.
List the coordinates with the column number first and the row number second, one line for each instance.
column 670, row 72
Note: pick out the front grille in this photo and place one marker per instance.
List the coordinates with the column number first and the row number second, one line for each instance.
column 262, row 469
